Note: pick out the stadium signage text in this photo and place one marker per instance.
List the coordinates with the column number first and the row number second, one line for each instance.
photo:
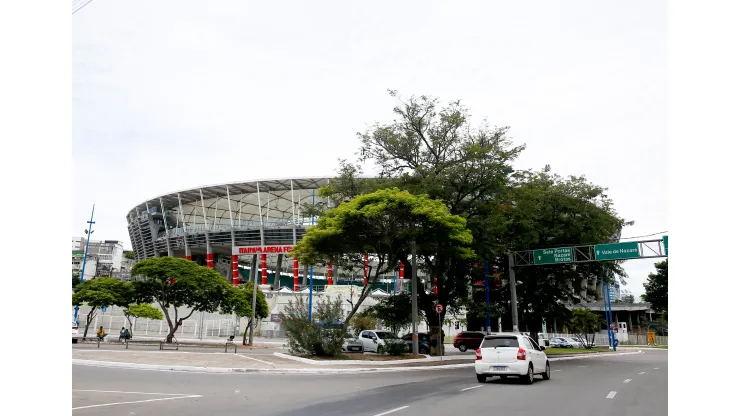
column 242, row 250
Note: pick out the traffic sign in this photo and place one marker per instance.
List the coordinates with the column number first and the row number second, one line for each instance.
column 553, row 255
column 617, row 251
column 439, row 308
column 665, row 244
column 651, row 337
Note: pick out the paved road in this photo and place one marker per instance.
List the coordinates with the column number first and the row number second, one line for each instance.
column 593, row 386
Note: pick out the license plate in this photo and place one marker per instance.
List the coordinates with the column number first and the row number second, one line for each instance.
column 498, row 368
column 354, row 348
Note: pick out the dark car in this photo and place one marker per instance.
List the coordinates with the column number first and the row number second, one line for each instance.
column 468, row 340
column 423, row 342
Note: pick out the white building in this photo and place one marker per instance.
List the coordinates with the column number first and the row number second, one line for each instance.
column 91, row 267
column 109, row 254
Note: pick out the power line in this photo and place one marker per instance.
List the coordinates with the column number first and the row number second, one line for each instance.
column 80, row 8
column 642, row 236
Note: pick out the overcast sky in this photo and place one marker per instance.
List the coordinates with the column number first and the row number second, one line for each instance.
column 172, row 94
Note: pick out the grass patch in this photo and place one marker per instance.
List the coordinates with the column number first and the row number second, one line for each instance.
column 571, row 351
column 364, row 357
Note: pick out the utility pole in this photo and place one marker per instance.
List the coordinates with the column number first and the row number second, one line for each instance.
column 488, row 297
column 414, row 305
column 84, row 259
column 512, row 287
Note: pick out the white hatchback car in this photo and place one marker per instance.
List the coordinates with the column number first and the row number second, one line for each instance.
column 374, row 341
column 506, row 355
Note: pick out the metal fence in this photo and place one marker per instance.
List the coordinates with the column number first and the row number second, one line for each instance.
column 632, row 339
column 190, row 328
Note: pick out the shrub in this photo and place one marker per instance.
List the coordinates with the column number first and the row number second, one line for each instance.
column 322, row 337
column 396, row 347
column 362, row 322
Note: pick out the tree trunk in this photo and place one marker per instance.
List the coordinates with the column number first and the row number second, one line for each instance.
column 278, row 267
column 88, row 321
column 244, row 339
column 436, row 344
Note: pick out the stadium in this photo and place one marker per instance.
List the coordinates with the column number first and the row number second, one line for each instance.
column 227, row 226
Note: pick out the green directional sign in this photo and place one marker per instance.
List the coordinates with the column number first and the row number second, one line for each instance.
column 553, row 255
column 617, row 251
column 665, row 244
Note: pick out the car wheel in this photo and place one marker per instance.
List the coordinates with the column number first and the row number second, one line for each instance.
column 74, row 340
column 462, row 348
column 529, row 377
column 546, row 374
column 504, row 377
column 423, row 351
column 481, row 378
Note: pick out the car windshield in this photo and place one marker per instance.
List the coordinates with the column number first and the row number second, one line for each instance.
column 350, row 336
column 386, row 335
column 500, row 342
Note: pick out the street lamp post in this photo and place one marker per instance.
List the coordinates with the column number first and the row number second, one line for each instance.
column 512, row 287
column 414, row 305
column 88, row 232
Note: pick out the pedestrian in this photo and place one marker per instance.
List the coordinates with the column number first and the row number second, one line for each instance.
column 126, row 334
column 122, row 334
column 101, row 333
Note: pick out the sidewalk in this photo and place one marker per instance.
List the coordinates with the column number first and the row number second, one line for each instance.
column 257, row 341
column 262, row 361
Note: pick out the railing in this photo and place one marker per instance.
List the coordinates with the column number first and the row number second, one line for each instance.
column 238, row 225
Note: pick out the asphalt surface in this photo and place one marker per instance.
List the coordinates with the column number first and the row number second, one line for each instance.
column 592, row 386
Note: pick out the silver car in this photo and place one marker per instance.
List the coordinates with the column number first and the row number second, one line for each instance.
column 352, row 344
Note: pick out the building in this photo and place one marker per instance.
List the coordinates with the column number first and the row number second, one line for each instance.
column 91, row 267
column 109, row 254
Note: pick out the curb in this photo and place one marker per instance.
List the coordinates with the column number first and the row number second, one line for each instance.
column 221, row 370
column 310, row 371
column 368, row 362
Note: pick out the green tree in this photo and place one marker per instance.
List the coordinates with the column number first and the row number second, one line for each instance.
column 174, row 282
column 394, row 311
column 362, row 321
column 628, row 299
column 141, row 310
column 583, row 323
column 75, row 279
column 547, row 210
column 239, row 301
column 656, row 287
column 385, row 223
column 99, row 292
column 129, row 255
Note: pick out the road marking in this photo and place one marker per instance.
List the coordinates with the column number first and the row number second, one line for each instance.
column 656, row 368
column 556, row 370
column 137, row 401
column 611, row 394
column 607, row 363
column 641, row 373
column 255, row 359
column 132, row 392
column 582, row 366
column 627, row 381
column 470, row 388
column 391, row 411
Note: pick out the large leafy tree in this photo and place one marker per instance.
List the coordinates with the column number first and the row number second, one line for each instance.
column 174, row 283
column 141, row 310
column 394, row 311
column 239, row 301
column 99, row 292
column 583, row 323
column 384, row 223
column 547, row 210
column 656, row 287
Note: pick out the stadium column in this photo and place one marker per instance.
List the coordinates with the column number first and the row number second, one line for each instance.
column 278, row 268
column 152, row 228
column 234, row 257
column 263, row 260
column 329, row 273
column 263, row 257
column 295, row 274
column 364, row 279
column 400, row 274
column 166, row 229
column 253, row 270
column 209, row 249
column 188, row 256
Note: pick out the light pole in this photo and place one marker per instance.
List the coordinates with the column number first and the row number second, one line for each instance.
column 88, row 233
column 512, row 288
column 414, row 306
column 488, row 297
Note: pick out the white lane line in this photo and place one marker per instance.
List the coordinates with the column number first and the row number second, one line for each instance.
column 607, row 363
column 556, row 370
column 471, row 388
column 641, row 373
column 137, row 401
column 611, row 394
column 582, row 366
column 391, row 411
column 656, row 368
column 132, row 392
column 627, row 381
column 255, row 359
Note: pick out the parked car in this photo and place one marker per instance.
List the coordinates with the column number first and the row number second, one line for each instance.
column 510, row 355
column 424, row 347
column 374, row 340
column 558, row 342
column 467, row 340
column 75, row 332
column 574, row 343
column 352, row 343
